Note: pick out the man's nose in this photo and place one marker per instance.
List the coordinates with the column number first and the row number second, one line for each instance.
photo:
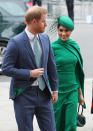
column 45, row 24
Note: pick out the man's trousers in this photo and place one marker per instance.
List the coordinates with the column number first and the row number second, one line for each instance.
column 34, row 102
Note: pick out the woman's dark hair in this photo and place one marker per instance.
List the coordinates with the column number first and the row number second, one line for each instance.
column 58, row 25
column 58, row 22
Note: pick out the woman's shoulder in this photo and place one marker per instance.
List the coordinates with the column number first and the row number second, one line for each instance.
column 74, row 43
column 54, row 43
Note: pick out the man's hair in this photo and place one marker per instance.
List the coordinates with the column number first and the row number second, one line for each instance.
column 34, row 12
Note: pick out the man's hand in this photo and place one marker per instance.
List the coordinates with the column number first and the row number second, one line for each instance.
column 54, row 97
column 37, row 72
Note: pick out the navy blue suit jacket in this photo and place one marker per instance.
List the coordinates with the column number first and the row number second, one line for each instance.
column 19, row 59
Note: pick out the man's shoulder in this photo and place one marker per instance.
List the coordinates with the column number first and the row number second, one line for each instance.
column 17, row 39
column 19, row 36
column 43, row 35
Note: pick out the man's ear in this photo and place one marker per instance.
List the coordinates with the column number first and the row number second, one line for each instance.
column 34, row 21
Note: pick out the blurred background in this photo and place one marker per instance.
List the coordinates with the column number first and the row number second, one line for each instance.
column 12, row 22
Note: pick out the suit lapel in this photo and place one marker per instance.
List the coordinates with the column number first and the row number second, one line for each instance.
column 29, row 48
column 42, row 47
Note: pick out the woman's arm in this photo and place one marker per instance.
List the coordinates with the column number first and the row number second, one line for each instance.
column 81, row 98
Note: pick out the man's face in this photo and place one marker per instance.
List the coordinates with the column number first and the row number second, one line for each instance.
column 64, row 33
column 41, row 24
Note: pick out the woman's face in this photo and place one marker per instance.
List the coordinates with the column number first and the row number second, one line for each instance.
column 64, row 33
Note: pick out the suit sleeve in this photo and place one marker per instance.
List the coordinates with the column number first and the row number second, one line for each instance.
column 9, row 63
column 52, row 71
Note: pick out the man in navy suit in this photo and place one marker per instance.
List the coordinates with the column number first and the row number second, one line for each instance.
column 20, row 62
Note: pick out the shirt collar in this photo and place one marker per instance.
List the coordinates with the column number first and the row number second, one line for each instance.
column 30, row 35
